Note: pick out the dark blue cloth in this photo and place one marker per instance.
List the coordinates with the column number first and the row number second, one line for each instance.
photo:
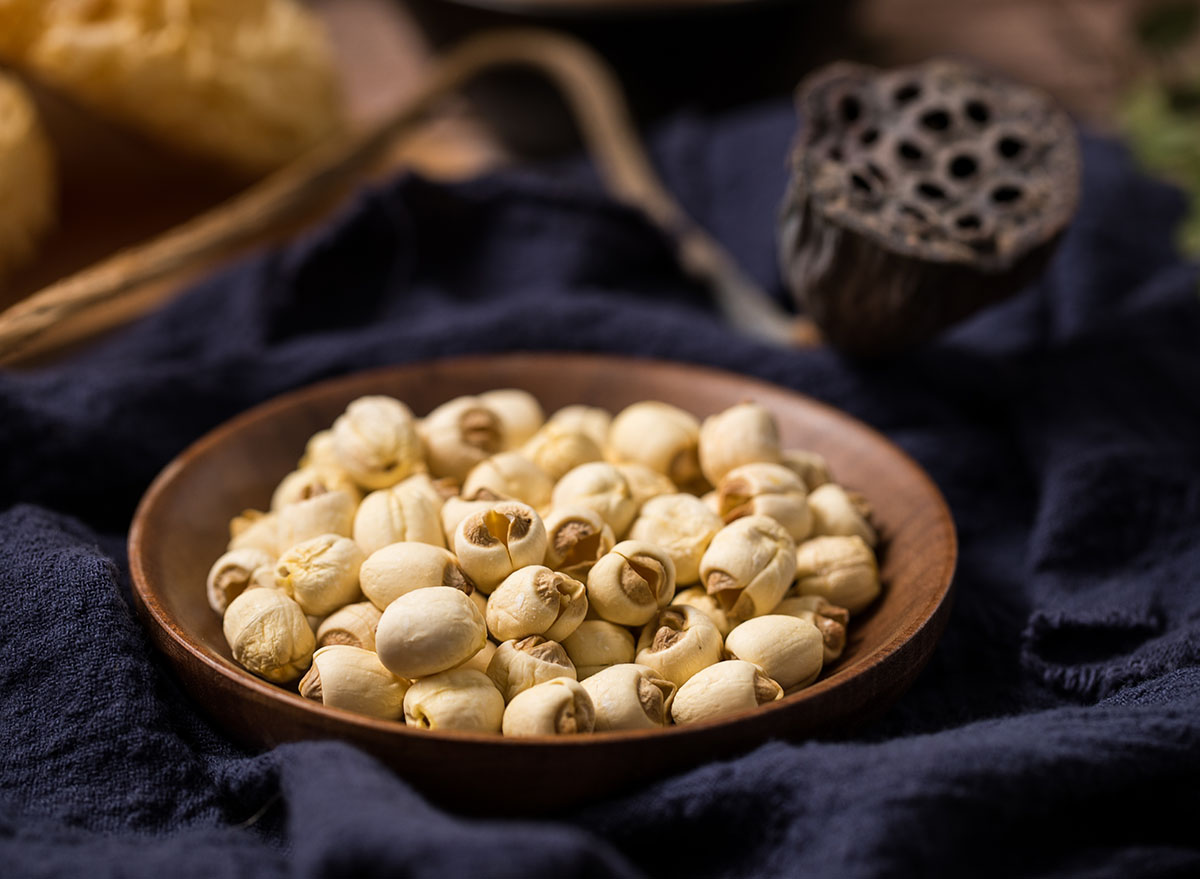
column 1056, row 731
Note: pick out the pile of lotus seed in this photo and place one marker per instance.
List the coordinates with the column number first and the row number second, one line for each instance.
column 486, row 568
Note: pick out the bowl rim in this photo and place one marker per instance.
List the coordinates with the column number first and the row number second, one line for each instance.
column 929, row 611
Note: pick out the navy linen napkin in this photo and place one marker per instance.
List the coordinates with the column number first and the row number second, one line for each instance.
column 1056, row 731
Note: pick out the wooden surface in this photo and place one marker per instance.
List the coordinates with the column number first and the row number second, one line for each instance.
column 181, row 528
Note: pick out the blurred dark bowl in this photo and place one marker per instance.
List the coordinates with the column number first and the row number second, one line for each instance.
column 669, row 54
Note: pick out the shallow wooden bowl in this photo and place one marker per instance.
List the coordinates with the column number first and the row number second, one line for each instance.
column 181, row 527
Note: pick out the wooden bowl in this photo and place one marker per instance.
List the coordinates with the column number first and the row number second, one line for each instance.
column 180, row 528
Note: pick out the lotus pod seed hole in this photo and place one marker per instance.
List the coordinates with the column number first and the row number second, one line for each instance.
column 936, row 120
column 1010, row 147
column 1006, row 194
column 931, row 191
column 978, row 112
column 907, row 92
column 963, row 166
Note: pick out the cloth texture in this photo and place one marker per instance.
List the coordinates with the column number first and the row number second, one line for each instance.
column 1055, row 732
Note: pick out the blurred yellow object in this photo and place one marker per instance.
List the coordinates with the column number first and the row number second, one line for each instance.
column 27, row 179
column 250, row 83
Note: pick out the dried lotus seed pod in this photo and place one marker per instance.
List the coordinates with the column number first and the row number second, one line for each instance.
column 595, row 645
column 837, row 513
column 789, row 650
column 510, row 475
column 599, row 486
column 482, row 659
column 255, row 530
column 353, row 625
column 523, row 663
column 724, row 688
column 630, row 696
column 644, row 483
column 707, row 604
column 682, row 525
column 519, row 412
column 308, row 482
column 398, row 569
column 493, row 543
column 535, row 600
column 459, row 434
column 842, row 570
column 749, row 566
column 320, row 574
column 743, row 434
column 919, row 195
column 354, row 679
column 766, row 490
column 461, row 698
column 678, row 643
column 659, row 436
column 576, row 538
column 376, row 442
column 391, row 515
column 631, row 583
column 559, row 707
column 268, row 634
column 833, row 632
column 809, row 466
column 427, row 631
column 557, row 449
column 589, row 420
column 329, row 513
column 232, row 574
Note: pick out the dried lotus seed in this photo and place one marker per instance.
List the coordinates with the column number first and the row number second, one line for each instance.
column 232, row 574
column 375, row 441
column 724, row 688
column 743, row 434
column 630, row 696
column 788, row 649
column 461, row 698
column 268, row 634
column 354, row 679
column 558, row 707
column 523, row 663
column 842, row 570
column 427, row 631
column 402, row 567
